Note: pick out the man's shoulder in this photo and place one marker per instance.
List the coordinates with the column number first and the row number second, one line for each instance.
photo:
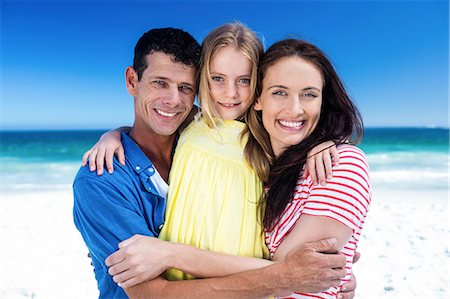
column 120, row 175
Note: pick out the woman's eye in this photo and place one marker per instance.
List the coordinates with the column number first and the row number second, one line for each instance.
column 279, row 93
column 217, row 78
column 309, row 95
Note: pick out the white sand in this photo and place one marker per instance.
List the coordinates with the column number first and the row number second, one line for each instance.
column 42, row 254
column 405, row 247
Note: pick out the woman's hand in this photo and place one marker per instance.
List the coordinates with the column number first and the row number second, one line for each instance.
column 139, row 259
column 320, row 161
column 103, row 152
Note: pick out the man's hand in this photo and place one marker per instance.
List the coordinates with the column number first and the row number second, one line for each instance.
column 312, row 267
column 348, row 289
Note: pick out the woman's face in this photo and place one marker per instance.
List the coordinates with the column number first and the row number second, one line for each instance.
column 230, row 82
column 290, row 101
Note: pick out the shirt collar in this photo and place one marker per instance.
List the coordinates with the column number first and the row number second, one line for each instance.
column 136, row 157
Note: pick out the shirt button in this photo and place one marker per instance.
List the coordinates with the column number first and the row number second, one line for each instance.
column 138, row 168
column 151, row 169
column 161, row 226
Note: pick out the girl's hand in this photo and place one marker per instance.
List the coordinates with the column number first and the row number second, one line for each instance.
column 139, row 259
column 320, row 161
column 103, row 152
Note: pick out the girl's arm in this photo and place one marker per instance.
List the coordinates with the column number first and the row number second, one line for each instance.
column 103, row 151
column 320, row 161
column 141, row 258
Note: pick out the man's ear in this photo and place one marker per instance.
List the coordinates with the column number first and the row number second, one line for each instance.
column 131, row 79
column 257, row 105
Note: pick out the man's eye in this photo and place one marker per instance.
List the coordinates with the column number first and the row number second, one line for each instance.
column 186, row 89
column 159, row 82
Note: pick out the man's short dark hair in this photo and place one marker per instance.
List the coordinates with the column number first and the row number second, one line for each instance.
column 179, row 44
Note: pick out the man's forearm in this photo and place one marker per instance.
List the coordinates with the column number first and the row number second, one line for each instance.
column 259, row 283
column 305, row 269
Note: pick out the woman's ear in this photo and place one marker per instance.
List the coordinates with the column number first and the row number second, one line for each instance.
column 257, row 105
column 131, row 79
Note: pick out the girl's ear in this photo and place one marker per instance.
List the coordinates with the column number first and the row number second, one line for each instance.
column 131, row 79
column 257, row 105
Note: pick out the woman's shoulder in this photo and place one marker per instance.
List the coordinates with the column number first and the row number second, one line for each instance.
column 348, row 152
column 353, row 165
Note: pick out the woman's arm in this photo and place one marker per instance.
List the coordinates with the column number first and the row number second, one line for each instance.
column 142, row 258
column 336, row 210
column 104, row 150
column 312, row 228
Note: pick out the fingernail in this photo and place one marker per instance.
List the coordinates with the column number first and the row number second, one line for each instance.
column 110, row 171
column 329, row 177
column 323, row 183
column 339, row 296
column 343, row 288
column 119, row 284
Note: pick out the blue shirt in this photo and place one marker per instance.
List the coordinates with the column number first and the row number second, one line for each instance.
column 113, row 207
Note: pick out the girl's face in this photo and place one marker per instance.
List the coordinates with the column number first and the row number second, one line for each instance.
column 230, row 82
column 290, row 101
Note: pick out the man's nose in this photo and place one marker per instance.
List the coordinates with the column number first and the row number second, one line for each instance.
column 173, row 97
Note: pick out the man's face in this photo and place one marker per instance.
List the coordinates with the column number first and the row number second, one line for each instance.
column 165, row 94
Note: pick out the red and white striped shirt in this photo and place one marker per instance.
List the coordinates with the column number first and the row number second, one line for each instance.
column 345, row 198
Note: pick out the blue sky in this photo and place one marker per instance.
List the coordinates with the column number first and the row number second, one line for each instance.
column 63, row 62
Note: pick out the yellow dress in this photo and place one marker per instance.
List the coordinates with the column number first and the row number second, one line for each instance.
column 213, row 195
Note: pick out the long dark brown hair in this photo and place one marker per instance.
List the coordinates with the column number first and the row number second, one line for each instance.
column 339, row 121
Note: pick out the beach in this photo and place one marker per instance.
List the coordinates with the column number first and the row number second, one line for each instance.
column 404, row 244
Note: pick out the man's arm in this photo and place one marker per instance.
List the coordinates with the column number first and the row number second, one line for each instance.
column 304, row 269
column 104, row 217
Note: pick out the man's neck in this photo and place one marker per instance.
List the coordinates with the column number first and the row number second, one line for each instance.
column 156, row 147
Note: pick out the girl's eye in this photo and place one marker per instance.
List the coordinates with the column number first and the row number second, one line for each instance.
column 245, row 81
column 217, row 78
column 279, row 93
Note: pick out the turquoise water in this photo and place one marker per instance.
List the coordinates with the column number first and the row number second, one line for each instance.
column 401, row 158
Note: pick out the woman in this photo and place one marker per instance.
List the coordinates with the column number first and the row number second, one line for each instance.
column 301, row 103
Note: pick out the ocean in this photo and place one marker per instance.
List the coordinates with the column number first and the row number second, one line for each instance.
column 399, row 158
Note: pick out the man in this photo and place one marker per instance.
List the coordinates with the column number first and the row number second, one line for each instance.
column 111, row 208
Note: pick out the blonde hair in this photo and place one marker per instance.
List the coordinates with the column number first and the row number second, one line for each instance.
column 231, row 34
column 258, row 150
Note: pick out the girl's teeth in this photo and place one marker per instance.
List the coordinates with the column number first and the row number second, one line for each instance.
column 165, row 113
column 291, row 124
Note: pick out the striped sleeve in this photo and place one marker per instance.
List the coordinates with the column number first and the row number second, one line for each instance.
column 346, row 197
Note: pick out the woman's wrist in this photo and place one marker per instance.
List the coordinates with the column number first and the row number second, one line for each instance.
column 174, row 255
